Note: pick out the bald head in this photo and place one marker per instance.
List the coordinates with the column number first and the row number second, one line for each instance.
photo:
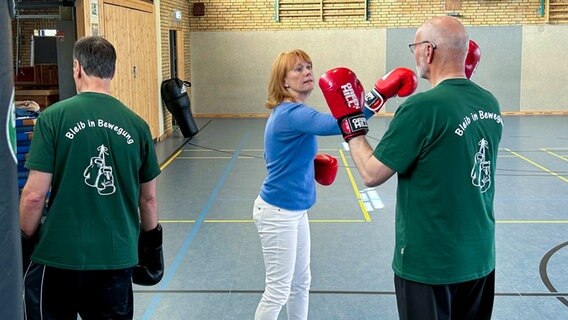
column 450, row 39
column 448, row 33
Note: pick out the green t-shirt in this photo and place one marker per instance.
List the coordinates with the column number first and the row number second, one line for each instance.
column 99, row 152
column 443, row 144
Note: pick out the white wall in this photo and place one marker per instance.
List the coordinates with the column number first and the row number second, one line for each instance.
column 230, row 70
column 525, row 67
column 544, row 80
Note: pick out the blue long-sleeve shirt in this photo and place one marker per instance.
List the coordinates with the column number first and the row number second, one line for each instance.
column 290, row 146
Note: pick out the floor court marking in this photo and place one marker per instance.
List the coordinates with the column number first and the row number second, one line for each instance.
column 364, row 210
column 538, row 165
column 531, row 221
column 555, row 148
column 544, row 273
column 212, row 150
column 366, row 215
column 204, row 149
column 371, row 199
column 547, row 150
column 151, row 308
column 171, row 158
column 215, row 158
column 557, row 295
column 176, row 154
column 355, row 221
column 220, row 150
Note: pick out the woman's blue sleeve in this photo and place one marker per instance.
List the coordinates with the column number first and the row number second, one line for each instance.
column 368, row 113
column 309, row 120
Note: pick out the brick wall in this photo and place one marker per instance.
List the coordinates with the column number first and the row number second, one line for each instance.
column 242, row 15
column 254, row 15
column 21, row 41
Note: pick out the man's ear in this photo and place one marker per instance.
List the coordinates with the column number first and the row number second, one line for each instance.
column 430, row 57
column 77, row 68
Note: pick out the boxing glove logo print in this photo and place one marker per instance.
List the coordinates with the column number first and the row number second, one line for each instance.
column 350, row 96
column 354, row 123
column 481, row 171
column 98, row 175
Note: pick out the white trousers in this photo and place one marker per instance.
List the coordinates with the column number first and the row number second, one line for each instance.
column 285, row 239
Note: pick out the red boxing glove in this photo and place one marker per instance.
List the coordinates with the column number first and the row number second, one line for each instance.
column 325, row 167
column 400, row 81
column 472, row 58
column 344, row 95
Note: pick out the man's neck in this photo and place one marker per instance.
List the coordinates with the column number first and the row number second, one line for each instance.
column 94, row 85
column 446, row 77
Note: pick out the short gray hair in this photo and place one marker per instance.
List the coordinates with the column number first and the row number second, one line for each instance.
column 96, row 55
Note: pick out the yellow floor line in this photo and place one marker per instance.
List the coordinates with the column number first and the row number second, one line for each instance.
column 216, row 158
column 221, row 150
column 366, row 215
column 170, row 159
column 559, row 148
column 383, row 114
column 359, row 221
column 554, row 154
column 538, row 165
column 250, row 221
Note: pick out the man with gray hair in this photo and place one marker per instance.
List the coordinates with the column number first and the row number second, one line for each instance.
column 97, row 159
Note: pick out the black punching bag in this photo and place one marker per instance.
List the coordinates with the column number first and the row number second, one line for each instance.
column 177, row 101
column 11, row 303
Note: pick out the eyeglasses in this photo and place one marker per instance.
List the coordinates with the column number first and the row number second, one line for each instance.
column 412, row 45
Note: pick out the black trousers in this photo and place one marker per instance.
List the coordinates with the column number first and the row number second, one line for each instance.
column 470, row 300
column 61, row 294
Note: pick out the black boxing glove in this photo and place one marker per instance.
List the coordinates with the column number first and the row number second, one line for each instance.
column 150, row 268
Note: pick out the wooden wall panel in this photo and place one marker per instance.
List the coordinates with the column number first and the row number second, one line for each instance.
column 120, row 85
column 132, row 30
column 145, row 87
column 180, row 54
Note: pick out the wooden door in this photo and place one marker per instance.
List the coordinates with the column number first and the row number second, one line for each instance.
column 114, row 18
column 144, row 91
column 132, row 30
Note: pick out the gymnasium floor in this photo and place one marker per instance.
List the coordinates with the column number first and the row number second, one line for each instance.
column 214, row 267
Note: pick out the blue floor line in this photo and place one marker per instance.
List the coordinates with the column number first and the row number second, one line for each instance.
column 171, row 270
